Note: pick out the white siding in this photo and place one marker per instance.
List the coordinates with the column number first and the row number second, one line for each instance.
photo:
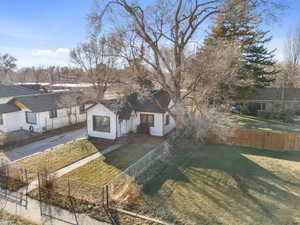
column 17, row 120
column 13, row 121
column 125, row 126
column 170, row 126
column 157, row 130
column 100, row 110
column 119, row 128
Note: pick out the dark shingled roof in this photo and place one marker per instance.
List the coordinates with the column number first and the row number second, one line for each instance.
column 156, row 102
column 137, row 102
column 272, row 94
column 15, row 90
column 8, row 107
column 46, row 102
column 36, row 87
column 120, row 106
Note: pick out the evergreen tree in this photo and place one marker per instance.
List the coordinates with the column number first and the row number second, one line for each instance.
column 241, row 25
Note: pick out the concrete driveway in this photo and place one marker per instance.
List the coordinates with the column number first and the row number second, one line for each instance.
column 42, row 145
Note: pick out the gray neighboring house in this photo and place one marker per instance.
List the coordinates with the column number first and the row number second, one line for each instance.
column 7, row 91
column 272, row 100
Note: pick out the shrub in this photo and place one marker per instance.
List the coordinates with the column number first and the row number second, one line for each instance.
column 143, row 129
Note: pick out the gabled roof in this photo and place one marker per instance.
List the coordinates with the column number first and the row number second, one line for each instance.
column 155, row 102
column 273, row 94
column 36, row 87
column 46, row 102
column 9, row 106
column 15, row 90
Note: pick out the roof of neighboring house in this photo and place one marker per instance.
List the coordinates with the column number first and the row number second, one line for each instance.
column 47, row 102
column 36, row 87
column 8, row 107
column 155, row 102
column 273, row 94
column 15, row 90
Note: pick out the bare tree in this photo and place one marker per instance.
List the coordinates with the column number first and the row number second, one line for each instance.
column 98, row 63
column 289, row 75
column 7, row 64
column 159, row 36
column 292, row 58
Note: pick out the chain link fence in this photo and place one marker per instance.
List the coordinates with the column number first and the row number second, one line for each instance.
column 126, row 191
column 73, row 195
column 12, row 177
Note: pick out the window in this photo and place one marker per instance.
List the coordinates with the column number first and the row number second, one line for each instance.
column 53, row 114
column 261, row 106
column 167, row 120
column 1, row 119
column 101, row 123
column 31, row 118
column 147, row 119
column 82, row 109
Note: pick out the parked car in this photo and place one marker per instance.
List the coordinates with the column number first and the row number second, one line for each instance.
column 236, row 109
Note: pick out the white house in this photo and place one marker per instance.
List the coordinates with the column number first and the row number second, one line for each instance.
column 39, row 112
column 114, row 118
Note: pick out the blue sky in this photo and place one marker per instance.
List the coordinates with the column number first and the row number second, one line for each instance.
column 41, row 32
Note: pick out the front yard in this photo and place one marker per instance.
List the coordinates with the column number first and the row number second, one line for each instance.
column 60, row 156
column 103, row 169
column 252, row 122
column 219, row 184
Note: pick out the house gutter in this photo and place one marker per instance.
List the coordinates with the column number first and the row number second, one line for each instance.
column 116, row 126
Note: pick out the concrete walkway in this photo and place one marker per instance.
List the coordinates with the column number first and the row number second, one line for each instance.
column 34, row 184
column 42, row 145
column 29, row 209
column 86, row 160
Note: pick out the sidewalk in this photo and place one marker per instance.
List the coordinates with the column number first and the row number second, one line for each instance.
column 21, row 205
column 29, row 209
column 43, row 145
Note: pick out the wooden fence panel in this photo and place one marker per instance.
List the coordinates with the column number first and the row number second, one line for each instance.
column 259, row 139
column 297, row 142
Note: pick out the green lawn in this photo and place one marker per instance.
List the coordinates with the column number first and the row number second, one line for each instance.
column 251, row 122
column 103, row 169
column 59, row 157
column 219, row 184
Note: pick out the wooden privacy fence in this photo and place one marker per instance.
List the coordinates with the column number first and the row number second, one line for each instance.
column 259, row 139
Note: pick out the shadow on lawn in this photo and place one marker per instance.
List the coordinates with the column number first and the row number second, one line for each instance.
column 248, row 122
column 230, row 182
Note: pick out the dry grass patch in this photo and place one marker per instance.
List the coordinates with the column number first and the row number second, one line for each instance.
column 252, row 122
column 103, row 169
column 58, row 157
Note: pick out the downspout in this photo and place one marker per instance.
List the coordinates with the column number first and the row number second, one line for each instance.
column 116, row 127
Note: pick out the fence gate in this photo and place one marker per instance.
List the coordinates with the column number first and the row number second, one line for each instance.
column 13, row 183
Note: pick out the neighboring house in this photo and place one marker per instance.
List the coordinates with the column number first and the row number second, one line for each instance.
column 7, row 91
column 39, row 112
column 272, row 100
column 114, row 118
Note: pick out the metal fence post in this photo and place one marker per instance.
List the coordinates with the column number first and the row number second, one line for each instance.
column 40, row 197
column 107, row 196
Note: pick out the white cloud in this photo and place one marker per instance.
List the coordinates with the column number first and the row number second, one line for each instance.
column 60, row 52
